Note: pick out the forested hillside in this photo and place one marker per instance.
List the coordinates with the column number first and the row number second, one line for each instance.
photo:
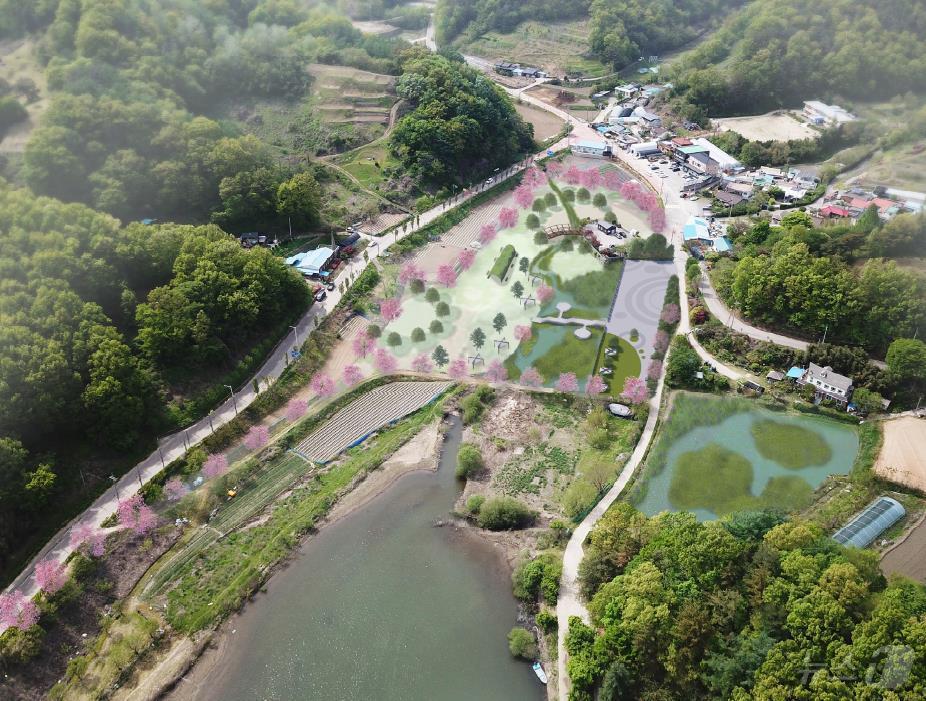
column 474, row 17
column 132, row 79
column 780, row 52
column 746, row 608
column 82, row 362
column 462, row 123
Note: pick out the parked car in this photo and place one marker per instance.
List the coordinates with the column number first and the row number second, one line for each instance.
column 620, row 410
column 329, row 286
column 320, row 296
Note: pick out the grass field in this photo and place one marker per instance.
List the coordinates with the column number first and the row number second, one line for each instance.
column 557, row 47
column 368, row 163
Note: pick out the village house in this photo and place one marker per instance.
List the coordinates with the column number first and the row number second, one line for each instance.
column 591, row 148
column 826, row 382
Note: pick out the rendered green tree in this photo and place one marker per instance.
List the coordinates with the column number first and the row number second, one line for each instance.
column 440, row 357
column 499, row 322
column 478, row 338
column 517, row 289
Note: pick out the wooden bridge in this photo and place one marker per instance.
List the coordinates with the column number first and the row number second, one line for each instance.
column 562, row 230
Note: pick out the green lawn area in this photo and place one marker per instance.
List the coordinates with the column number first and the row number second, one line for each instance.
column 571, row 355
column 626, row 364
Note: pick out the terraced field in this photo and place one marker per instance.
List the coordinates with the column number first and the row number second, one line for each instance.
column 367, row 414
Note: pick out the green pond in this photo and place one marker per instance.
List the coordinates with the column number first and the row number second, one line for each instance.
column 555, row 349
column 754, row 458
column 380, row 605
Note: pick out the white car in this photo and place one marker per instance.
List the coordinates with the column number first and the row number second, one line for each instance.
column 620, row 410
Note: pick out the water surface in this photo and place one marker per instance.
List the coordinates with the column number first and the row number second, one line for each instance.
column 382, row 605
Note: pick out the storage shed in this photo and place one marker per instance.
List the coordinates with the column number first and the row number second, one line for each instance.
column 876, row 518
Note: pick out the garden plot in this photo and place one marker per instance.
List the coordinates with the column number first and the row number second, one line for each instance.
column 369, row 413
column 348, row 95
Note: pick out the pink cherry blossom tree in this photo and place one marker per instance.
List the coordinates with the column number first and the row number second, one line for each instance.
column 654, row 371
column 390, row 309
column 135, row 514
column 591, row 178
column 467, row 258
column 573, row 175
column 523, row 332
column 524, row 196
column 554, row 168
column 88, row 539
column 410, row 272
column 657, row 220
column 635, row 391
column 215, row 465
column 446, row 275
column 630, row 190
column 507, row 218
column 50, row 576
column 567, row 382
column 670, row 314
column 362, row 344
column 16, row 611
column 487, row 234
column 534, row 177
column 352, row 375
column 257, row 437
column 661, row 343
column 145, row 521
column 458, row 369
column 544, row 293
column 384, row 361
column 595, row 385
column 531, row 378
column 321, row 385
column 422, row 363
column 174, row 489
column 296, row 409
column 496, row 372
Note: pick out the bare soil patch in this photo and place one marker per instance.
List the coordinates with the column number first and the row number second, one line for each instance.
column 545, row 124
column 903, row 455
column 774, row 126
column 906, row 557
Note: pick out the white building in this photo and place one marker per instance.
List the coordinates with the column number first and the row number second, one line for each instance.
column 647, row 148
column 591, row 148
column 821, row 113
column 725, row 161
column 826, row 382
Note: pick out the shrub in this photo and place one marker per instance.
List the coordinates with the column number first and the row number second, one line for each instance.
column 583, row 195
column 569, row 195
column 546, row 621
column 698, row 315
column 474, row 503
column 436, row 326
column 611, row 217
column 538, row 578
column 579, row 498
column 469, row 461
column 550, row 199
column 539, row 205
column 11, row 112
column 504, row 514
column 567, row 244
column 394, row 339
column 442, row 309
column 432, row 295
column 521, row 643
column 374, row 331
column 18, row 646
column 634, row 335
column 540, row 238
column 474, row 405
column 417, row 286
column 599, row 438
column 532, row 221
column 600, row 201
column 417, row 334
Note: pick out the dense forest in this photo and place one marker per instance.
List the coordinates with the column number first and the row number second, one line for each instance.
column 780, row 52
column 831, row 280
column 462, row 123
column 93, row 316
column 131, row 81
column 749, row 607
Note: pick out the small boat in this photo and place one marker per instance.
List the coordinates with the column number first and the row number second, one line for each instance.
column 541, row 675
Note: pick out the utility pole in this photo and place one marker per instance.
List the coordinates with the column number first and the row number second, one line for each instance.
column 825, row 329
column 296, row 334
column 234, row 401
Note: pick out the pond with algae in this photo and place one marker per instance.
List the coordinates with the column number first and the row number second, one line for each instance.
column 717, row 455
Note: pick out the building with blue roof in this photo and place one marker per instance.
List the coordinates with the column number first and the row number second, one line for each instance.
column 876, row 518
column 311, row 262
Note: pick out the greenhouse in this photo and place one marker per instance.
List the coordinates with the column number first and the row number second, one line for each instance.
column 877, row 517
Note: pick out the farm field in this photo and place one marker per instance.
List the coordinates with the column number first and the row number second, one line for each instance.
column 546, row 125
column 559, row 48
column 717, row 455
column 774, row 126
column 902, row 459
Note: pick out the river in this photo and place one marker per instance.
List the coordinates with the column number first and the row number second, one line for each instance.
column 378, row 605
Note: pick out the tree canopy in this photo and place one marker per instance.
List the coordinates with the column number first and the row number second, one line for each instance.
column 745, row 608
